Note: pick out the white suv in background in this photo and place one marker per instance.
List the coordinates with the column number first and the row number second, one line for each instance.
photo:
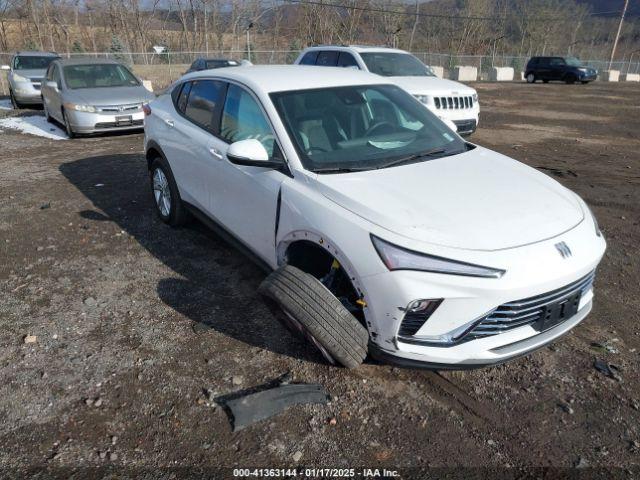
column 385, row 232
column 447, row 99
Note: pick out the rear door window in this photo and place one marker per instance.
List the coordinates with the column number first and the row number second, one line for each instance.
column 345, row 59
column 204, row 103
column 182, row 96
column 327, row 58
column 309, row 58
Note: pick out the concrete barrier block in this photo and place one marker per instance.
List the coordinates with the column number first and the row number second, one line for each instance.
column 439, row 71
column 464, row 74
column 630, row 77
column 611, row 75
column 501, row 74
column 148, row 85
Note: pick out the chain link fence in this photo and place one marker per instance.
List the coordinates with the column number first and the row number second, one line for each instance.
column 164, row 68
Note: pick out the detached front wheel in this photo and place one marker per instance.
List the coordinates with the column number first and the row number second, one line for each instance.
column 311, row 311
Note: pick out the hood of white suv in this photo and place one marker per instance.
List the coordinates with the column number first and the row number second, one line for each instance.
column 431, row 86
column 478, row 200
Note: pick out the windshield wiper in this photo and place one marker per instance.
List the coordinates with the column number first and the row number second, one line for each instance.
column 412, row 158
column 340, row 169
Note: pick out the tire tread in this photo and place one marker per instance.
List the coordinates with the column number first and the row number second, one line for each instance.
column 318, row 310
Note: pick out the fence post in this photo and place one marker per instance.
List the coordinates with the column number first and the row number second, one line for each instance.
column 480, row 69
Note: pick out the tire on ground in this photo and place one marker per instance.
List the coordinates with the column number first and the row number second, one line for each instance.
column 320, row 312
column 178, row 214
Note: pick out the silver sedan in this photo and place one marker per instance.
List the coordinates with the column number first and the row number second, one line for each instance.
column 93, row 96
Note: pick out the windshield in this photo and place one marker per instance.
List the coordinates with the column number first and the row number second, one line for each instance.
column 32, row 63
column 362, row 127
column 99, row 75
column 573, row 62
column 390, row 64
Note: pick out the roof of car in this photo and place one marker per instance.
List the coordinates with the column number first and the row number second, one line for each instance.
column 37, row 53
column 358, row 48
column 86, row 61
column 278, row 78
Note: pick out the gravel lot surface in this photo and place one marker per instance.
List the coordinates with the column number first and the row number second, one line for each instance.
column 118, row 332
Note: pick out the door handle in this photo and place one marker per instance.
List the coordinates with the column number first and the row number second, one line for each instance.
column 216, row 153
column 169, row 123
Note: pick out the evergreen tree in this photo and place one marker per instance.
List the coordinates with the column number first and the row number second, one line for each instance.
column 77, row 47
column 117, row 48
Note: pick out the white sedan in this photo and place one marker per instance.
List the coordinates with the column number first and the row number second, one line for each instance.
column 384, row 231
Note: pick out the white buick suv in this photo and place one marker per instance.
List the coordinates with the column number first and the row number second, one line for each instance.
column 384, row 232
column 449, row 100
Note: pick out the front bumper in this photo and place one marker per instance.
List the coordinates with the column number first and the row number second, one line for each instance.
column 587, row 77
column 491, row 356
column 531, row 270
column 86, row 122
column 26, row 92
column 466, row 127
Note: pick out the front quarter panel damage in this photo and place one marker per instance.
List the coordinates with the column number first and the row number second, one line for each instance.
column 306, row 215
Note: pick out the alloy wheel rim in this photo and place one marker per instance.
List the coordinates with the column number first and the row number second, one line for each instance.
column 161, row 192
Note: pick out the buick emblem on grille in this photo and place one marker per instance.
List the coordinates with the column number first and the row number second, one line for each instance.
column 564, row 249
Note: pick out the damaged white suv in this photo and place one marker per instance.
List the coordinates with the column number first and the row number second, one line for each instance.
column 385, row 232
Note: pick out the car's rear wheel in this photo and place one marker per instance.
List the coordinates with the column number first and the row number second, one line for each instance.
column 166, row 196
column 67, row 126
column 531, row 78
column 310, row 310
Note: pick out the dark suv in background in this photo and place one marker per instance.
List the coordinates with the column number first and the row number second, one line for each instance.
column 209, row 63
column 564, row 69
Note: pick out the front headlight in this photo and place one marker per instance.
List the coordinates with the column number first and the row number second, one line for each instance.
column 422, row 98
column 399, row 258
column 80, row 108
column 20, row 78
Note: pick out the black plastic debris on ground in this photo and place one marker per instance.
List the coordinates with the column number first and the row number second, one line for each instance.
column 607, row 369
column 249, row 406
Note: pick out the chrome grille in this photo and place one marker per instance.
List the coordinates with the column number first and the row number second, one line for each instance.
column 36, row 82
column 453, row 103
column 133, row 107
column 527, row 311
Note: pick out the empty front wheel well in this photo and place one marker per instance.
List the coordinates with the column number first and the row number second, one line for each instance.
column 315, row 260
column 309, row 257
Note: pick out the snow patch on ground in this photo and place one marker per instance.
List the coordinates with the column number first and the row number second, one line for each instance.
column 34, row 125
column 5, row 105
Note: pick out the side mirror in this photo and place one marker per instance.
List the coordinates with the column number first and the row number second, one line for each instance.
column 5, row 67
column 450, row 124
column 251, row 153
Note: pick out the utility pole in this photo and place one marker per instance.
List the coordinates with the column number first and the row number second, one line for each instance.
column 615, row 41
